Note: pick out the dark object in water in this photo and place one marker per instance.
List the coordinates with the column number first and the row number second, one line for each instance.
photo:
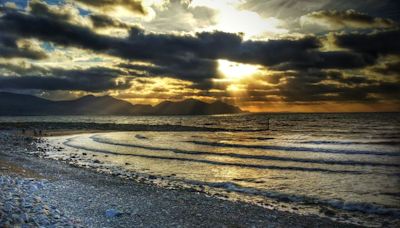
column 140, row 137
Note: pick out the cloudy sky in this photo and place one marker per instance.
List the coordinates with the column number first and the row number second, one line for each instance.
column 262, row 55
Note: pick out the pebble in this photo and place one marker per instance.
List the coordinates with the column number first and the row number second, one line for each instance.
column 111, row 213
column 25, row 217
column 21, row 206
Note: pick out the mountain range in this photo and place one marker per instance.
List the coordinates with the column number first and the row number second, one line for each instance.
column 20, row 104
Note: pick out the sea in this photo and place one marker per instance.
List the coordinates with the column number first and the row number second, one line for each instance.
column 343, row 166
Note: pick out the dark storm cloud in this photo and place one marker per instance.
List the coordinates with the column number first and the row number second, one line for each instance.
column 95, row 79
column 347, row 18
column 352, row 80
column 53, row 83
column 104, row 21
column 319, row 86
column 172, row 53
column 376, row 43
column 296, row 90
column 296, row 8
column 376, row 8
column 66, row 14
column 177, row 54
column 209, row 45
column 41, row 9
column 183, row 68
column 273, row 52
column 22, row 69
column 194, row 57
column 329, row 60
column 46, row 29
column 134, row 6
column 392, row 68
column 142, row 46
column 10, row 49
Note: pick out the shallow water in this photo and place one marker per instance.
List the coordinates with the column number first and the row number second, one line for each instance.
column 346, row 164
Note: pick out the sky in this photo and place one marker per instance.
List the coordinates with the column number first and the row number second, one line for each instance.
column 260, row 55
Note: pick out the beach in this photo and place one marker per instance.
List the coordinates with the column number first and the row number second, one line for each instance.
column 284, row 170
column 81, row 197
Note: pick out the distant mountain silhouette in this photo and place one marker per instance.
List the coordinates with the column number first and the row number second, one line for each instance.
column 194, row 107
column 19, row 104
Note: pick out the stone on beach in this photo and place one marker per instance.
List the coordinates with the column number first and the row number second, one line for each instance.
column 111, row 213
column 22, row 206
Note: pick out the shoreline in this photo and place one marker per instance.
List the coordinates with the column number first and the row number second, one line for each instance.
column 138, row 203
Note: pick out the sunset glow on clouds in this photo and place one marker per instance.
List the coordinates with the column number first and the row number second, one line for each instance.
column 298, row 56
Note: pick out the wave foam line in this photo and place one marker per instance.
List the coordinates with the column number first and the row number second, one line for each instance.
column 368, row 208
column 297, row 149
column 245, row 156
column 272, row 167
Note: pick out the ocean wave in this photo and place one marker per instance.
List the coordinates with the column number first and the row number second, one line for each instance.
column 246, row 156
column 321, row 142
column 210, row 162
column 367, row 208
column 261, row 138
column 297, row 149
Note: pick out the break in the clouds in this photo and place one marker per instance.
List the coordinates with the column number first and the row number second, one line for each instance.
column 308, row 55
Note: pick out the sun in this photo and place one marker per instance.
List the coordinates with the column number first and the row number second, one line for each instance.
column 232, row 18
column 235, row 71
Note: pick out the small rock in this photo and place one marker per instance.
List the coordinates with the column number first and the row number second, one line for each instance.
column 328, row 212
column 38, row 199
column 111, row 213
column 15, row 217
column 34, row 188
column 25, row 217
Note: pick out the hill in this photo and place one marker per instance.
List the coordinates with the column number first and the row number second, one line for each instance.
column 18, row 104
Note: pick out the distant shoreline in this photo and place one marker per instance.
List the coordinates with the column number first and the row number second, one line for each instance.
column 198, row 115
column 52, row 126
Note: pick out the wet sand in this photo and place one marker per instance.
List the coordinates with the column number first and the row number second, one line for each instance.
column 87, row 197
